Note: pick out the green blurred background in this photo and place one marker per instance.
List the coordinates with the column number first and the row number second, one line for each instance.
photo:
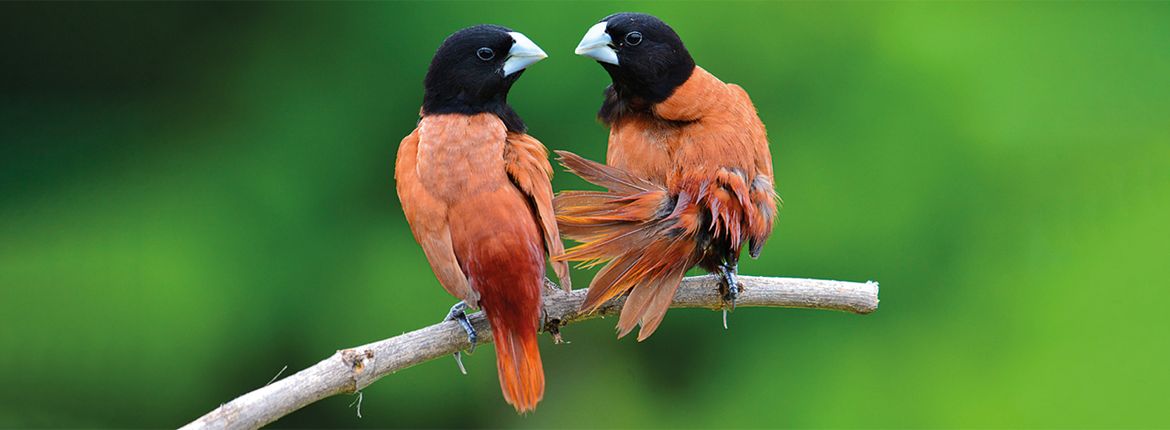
column 194, row 195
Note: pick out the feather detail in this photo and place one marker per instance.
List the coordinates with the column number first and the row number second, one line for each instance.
column 518, row 364
column 647, row 236
column 526, row 161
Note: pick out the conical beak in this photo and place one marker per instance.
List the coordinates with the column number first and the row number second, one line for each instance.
column 598, row 45
column 523, row 54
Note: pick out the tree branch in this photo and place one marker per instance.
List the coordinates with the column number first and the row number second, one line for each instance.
column 350, row 370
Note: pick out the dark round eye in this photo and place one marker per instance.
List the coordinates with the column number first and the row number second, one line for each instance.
column 485, row 54
column 633, row 38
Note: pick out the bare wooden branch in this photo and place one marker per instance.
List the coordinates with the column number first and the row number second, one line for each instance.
column 350, row 370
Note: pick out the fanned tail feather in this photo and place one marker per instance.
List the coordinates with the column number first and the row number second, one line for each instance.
column 649, row 236
column 612, row 178
column 642, row 231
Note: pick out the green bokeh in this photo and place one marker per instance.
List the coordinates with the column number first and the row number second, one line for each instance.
column 193, row 196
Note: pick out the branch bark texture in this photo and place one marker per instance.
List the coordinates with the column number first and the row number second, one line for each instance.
column 351, row 370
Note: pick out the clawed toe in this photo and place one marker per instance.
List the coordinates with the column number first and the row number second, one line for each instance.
column 729, row 288
column 458, row 314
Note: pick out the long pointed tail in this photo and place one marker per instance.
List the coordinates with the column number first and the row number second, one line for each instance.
column 507, row 268
column 518, row 363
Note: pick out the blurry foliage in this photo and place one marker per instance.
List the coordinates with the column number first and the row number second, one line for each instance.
column 195, row 195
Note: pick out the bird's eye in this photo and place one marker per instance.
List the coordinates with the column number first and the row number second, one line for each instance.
column 633, row 38
column 485, row 54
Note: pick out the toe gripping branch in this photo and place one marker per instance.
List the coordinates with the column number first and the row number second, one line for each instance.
column 552, row 326
column 729, row 287
column 459, row 315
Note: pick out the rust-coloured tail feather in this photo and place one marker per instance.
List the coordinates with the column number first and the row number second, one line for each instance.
column 518, row 363
column 647, row 305
column 611, row 178
column 510, row 284
column 649, row 235
column 644, row 234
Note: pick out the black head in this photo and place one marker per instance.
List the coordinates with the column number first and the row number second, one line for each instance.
column 473, row 70
column 645, row 57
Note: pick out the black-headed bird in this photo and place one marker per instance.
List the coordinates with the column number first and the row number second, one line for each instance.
column 475, row 189
column 688, row 175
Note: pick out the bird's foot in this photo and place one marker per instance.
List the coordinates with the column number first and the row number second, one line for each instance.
column 552, row 326
column 729, row 288
column 459, row 315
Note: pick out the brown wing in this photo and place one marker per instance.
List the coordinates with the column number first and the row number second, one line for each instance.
column 762, row 188
column 729, row 146
column 428, row 221
column 526, row 161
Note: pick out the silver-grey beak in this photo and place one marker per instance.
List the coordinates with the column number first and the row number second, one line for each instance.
column 523, row 54
column 596, row 45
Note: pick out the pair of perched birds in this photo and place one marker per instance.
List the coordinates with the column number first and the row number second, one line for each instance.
column 688, row 180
